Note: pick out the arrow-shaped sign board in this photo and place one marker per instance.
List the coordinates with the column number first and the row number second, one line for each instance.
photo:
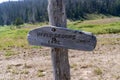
column 57, row 37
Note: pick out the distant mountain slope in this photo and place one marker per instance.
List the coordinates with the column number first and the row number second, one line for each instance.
column 36, row 10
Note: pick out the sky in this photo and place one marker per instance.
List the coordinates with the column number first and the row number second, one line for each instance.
column 6, row 0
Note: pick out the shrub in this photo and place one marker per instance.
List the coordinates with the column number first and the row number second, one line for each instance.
column 18, row 22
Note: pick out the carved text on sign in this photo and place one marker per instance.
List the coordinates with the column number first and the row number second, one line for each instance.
column 42, row 34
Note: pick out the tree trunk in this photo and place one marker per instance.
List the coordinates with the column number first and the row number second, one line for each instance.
column 57, row 17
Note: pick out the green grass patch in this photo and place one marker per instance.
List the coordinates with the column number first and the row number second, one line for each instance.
column 95, row 16
column 96, row 28
column 9, row 53
column 98, row 71
column 24, row 72
column 11, row 36
column 40, row 73
column 17, row 37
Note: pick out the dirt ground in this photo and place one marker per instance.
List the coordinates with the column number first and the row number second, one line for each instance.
column 35, row 64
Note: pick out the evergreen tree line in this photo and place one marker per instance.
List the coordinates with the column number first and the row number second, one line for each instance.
column 36, row 10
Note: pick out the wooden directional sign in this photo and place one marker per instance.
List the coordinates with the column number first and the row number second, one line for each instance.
column 62, row 38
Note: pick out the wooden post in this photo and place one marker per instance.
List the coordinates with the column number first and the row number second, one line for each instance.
column 57, row 17
column 60, row 38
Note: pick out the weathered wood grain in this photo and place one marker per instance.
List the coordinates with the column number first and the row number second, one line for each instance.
column 57, row 17
column 51, row 36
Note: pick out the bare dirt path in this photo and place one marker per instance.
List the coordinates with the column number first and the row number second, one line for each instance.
column 35, row 64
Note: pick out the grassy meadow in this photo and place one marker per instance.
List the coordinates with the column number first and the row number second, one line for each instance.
column 20, row 61
column 101, row 26
column 12, row 36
